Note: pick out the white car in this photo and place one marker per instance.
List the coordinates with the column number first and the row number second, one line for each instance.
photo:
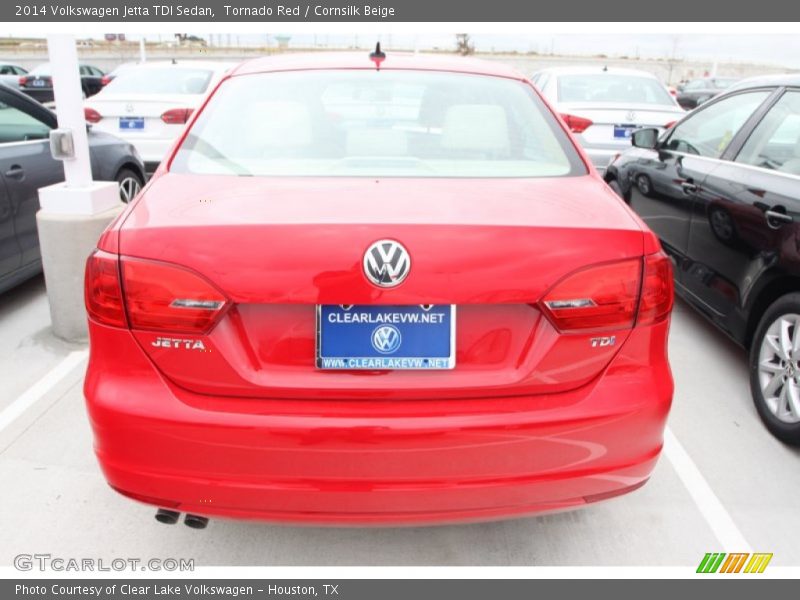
column 10, row 74
column 603, row 106
column 148, row 104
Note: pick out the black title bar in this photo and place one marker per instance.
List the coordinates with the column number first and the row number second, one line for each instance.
column 231, row 11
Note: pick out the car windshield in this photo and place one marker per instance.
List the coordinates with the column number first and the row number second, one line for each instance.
column 722, row 84
column 376, row 123
column 42, row 69
column 611, row 88
column 160, row 80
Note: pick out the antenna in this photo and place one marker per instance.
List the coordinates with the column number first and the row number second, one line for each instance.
column 377, row 56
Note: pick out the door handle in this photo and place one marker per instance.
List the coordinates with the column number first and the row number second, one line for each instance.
column 15, row 172
column 776, row 219
column 688, row 187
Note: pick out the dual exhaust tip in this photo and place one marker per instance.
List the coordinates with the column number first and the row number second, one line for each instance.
column 170, row 517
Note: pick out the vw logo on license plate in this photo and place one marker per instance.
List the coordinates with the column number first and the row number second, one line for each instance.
column 386, row 339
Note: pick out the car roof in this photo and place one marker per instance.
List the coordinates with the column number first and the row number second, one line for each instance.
column 784, row 79
column 361, row 60
column 213, row 65
column 594, row 70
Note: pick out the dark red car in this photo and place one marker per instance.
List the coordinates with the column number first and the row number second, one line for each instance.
column 365, row 296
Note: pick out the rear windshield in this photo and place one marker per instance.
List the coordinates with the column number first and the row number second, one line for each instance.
column 376, row 124
column 609, row 88
column 167, row 80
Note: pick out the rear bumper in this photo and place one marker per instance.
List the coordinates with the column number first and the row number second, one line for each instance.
column 383, row 462
column 151, row 149
column 42, row 95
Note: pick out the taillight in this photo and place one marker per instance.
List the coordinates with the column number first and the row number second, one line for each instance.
column 670, row 125
column 165, row 297
column 105, row 80
column 596, row 298
column 177, row 116
column 102, row 291
column 658, row 289
column 576, row 124
column 91, row 115
column 613, row 295
column 23, row 80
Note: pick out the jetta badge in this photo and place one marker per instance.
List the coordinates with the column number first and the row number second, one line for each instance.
column 386, row 263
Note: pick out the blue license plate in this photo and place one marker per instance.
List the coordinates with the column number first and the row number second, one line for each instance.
column 386, row 337
column 624, row 131
column 38, row 83
column 127, row 123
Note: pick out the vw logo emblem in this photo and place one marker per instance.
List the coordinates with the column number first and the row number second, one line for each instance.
column 631, row 116
column 386, row 263
column 386, row 339
column 129, row 108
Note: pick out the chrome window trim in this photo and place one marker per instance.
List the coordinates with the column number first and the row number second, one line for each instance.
column 24, row 142
column 733, row 162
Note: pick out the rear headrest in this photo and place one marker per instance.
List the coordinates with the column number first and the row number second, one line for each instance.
column 476, row 127
column 377, row 142
column 278, row 124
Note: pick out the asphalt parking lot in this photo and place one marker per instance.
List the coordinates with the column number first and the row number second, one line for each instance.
column 723, row 483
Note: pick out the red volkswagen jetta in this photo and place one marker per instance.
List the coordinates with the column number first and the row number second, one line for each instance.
column 376, row 295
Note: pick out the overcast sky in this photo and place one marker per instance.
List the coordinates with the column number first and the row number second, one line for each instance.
column 777, row 49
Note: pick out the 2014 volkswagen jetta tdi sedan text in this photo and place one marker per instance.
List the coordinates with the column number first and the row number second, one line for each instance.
column 377, row 295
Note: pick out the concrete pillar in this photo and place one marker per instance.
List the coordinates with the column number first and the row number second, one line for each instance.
column 73, row 214
column 66, row 242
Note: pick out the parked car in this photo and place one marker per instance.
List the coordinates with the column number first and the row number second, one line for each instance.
column 26, row 165
column 10, row 74
column 604, row 106
column 38, row 83
column 430, row 311
column 722, row 191
column 149, row 104
column 697, row 91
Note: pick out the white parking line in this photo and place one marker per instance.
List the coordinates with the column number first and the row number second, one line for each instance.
column 710, row 507
column 38, row 390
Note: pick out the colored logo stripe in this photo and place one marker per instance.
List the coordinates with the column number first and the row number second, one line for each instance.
column 714, row 562
column 758, row 563
column 711, row 562
column 734, row 563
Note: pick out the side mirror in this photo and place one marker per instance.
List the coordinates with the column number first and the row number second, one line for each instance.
column 645, row 138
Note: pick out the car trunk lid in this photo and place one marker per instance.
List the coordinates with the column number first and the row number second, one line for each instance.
column 279, row 247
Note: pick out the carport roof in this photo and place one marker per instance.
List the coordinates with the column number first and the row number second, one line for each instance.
column 361, row 60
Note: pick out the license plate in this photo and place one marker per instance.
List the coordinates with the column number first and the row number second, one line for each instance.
column 38, row 82
column 406, row 337
column 127, row 123
column 624, row 131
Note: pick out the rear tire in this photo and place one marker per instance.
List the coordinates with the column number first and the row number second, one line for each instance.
column 775, row 368
column 130, row 184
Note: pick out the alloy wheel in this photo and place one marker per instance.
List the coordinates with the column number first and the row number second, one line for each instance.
column 779, row 368
column 128, row 188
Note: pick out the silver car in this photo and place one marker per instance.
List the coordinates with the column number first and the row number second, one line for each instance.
column 603, row 106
